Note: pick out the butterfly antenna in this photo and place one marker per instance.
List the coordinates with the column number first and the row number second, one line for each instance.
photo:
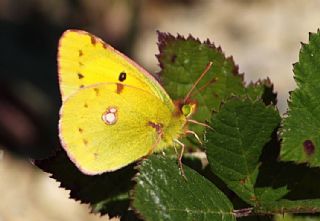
column 213, row 80
column 197, row 81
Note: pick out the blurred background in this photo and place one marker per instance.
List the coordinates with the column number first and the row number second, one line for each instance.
column 262, row 35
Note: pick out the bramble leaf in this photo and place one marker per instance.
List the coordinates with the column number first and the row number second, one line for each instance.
column 262, row 89
column 162, row 193
column 182, row 60
column 300, row 133
column 240, row 130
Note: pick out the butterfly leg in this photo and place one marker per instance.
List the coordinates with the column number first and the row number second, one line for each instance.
column 180, row 157
column 155, row 144
column 195, row 135
column 199, row 123
column 175, row 148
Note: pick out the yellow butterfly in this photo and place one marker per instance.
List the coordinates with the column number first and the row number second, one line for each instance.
column 114, row 112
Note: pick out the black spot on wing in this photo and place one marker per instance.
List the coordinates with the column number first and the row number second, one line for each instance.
column 80, row 76
column 122, row 76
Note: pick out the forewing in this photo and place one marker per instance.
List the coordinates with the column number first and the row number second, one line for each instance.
column 97, row 143
column 84, row 59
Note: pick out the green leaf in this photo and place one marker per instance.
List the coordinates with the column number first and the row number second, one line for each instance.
column 262, row 89
column 162, row 193
column 106, row 193
column 268, row 194
column 182, row 60
column 240, row 130
column 300, row 133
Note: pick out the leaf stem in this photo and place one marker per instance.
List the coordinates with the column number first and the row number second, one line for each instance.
column 287, row 206
column 243, row 212
column 281, row 207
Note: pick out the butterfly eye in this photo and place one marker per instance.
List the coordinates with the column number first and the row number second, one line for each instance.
column 122, row 76
column 188, row 109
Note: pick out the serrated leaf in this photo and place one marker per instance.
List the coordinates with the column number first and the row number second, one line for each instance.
column 106, row 193
column 300, row 133
column 161, row 193
column 182, row 60
column 262, row 89
column 240, row 130
column 268, row 194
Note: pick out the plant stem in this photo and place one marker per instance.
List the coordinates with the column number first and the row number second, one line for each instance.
column 281, row 207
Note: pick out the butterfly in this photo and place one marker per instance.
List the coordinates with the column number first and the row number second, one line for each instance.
column 113, row 111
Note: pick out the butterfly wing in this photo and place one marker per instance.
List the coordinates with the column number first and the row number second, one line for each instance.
column 84, row 59
column 104, row 128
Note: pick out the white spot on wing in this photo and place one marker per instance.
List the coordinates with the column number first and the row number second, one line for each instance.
column 113, row 110
column 110, row 116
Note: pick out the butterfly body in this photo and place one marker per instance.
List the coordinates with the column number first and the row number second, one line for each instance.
column 113, row 111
